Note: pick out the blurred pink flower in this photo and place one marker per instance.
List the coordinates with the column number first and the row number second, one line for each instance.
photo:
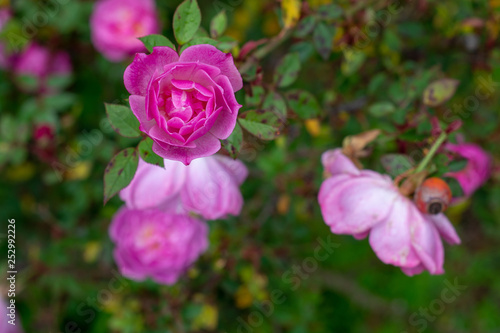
column 477, row 170
column 4, row 57
column 36, row 66
column 364, row 202
column 209, row 186
column 185, row 104
column 156, row 244
column 117, row 24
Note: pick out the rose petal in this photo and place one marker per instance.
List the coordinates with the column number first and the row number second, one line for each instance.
column 391, row 239
column 354, row 205
column 335, row 162
column 140, row 72
column 205, row 146
column 210, row 55
column 445, row 228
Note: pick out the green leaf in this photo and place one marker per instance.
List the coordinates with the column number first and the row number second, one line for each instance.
column 276, row 104
column 218, row 24
column 151, row 41
column 287, row 70
column 262, row 124
column 457, row 165
column 123, row 120
column 303, row 103
column 329, row 12
column 255, row 97
column 120, row 172
column 323, row 39
column 381, row 109
column 353, row 60
column 455, row 187
column 305, row 27
column 147, row 154
column 198, row 41
column 59, row 102
column 440, row 91
column 396, row 164
column 234, row 141
column 187, row 19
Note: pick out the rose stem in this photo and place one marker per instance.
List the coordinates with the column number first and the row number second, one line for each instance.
column 431, row 152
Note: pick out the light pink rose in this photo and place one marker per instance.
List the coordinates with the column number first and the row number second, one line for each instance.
column 363, row 202
column 185, row 103
column 209, row 186
column 116, row 25
column 156, row 244
column 478, row 168
column 40, row 65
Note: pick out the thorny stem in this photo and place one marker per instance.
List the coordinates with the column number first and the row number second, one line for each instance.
column 263, row 51
column 431, row 152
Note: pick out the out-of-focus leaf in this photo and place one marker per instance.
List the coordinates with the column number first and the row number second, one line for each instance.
column 151, row 41
column 303, row 103
column 123, row 120
column 440, row 91
column 147, row 154
column 255, row 97
column 187, row 19
column 323, row 39
column 455, row 187
column 305, row 26
column 381, row 109
column 287, row 70
column 396, row 164
column 218, row 24
column 291, row 12
column 120, row 172
column 353, row 60
column 329, row 12
column 457, row 165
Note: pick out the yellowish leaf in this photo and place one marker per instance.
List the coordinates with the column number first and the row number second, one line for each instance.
column 291, row 12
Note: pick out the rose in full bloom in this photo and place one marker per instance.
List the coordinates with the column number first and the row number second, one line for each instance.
column 185, row 103
column 478, row 168
column 363, row 202
column 156, row 244
column 36, row 66
column 116, row 24
column 4, row 57
column 209, row 186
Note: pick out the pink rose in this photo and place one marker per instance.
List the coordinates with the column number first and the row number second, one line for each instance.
column 363, row 202
column 478, row 168
column 40, row 65
column 155, row 244
column 209, row 186
column 116, row 25
column 187, row 103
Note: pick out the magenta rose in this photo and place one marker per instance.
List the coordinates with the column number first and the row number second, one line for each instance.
column 478, row 168
column 185, row 103
column 363, row 202
column 156, row 244
column 116, row 24
column 209, row 186
column 37, row 65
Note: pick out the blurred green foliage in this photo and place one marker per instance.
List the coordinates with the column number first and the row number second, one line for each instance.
column 346, row 67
